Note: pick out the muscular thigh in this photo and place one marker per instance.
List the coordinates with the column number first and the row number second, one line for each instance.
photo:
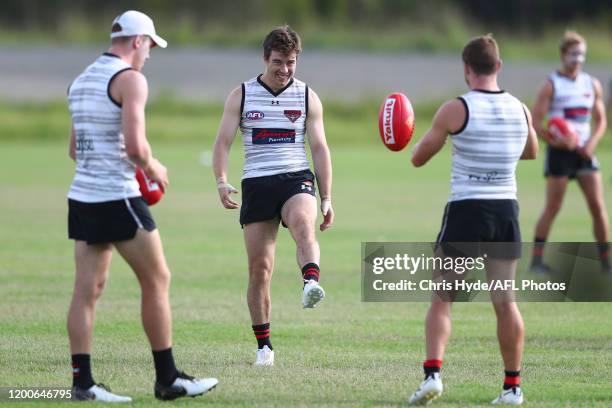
column 92, row 262
column 260, row 240
column 299, row 210
column 144, row 253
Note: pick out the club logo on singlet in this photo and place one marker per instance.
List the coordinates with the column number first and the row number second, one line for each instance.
column 293, row 115
column 272, row 136
column 254, row 115
column 578, row 114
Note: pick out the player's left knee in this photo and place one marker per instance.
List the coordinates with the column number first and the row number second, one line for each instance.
column 306, row 238
column 99, row 289
column 158, row 280
column 302, row 227
column 165, row 278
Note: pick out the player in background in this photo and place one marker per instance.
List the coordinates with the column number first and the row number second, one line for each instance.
column 577, row 97
column 108, row 140
column 276, row 113
column 490, row 131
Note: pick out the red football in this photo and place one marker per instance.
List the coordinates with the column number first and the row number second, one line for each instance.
column 396, row 121
column 150, row 190
column 560, row 128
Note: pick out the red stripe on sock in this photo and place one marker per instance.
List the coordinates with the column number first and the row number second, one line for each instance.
column 310, row 274
column 513, row 380
column 433, row 363
column 262, row 336
column 538, row 251
column 604, row 254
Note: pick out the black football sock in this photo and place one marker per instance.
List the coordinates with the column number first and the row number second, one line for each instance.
column 512, row 379
column 81, row 371
column 604, row 253
column 165, row 369
column 538, row 250
column 310, row 271
column 431, row 366
column 262, row 334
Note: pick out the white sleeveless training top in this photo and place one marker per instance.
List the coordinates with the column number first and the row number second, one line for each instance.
column 573, row 100
column 487, row 148
column 273, row 126
column 103, row 169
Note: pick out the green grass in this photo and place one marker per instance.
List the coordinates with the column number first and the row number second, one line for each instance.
column 344, row 353
column 448, row 34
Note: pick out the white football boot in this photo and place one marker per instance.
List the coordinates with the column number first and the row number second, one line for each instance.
column 185, row 386
column 313, row 294
column 265, row 357
column 513, row 396
column 430, row 389
column 97, row 392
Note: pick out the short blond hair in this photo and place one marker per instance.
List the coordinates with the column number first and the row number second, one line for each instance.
column 570, row 38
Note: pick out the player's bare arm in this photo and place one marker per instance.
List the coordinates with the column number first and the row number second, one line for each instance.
column 531, row 146
column 540, row 110
column 448, row 119
column 72, row 144
column 131, row 90
column 321, row 158
column 225, row 137
column 599, row 122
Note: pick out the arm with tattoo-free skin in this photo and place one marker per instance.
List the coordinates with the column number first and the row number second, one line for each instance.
column 223, row 143
column 321, row 157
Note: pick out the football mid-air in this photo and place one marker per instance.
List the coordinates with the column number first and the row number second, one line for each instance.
column 396, row 121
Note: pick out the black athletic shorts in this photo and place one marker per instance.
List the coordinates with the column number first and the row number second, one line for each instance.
column 567, row 163
column 109, row 221
column 486, row 226
column 264, row 197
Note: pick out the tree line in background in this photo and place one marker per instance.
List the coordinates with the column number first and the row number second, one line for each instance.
column 531, row 15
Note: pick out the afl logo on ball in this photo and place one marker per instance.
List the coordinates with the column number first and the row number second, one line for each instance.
column 254, row 115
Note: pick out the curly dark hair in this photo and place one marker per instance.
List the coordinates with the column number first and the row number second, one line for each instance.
column 282, row 39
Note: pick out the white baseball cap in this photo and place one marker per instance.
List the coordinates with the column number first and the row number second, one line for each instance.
column 134, row 22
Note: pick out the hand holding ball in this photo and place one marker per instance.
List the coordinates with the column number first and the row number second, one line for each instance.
column 563, row 132
column 151, row 191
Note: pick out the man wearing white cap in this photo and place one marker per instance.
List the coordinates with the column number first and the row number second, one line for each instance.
column 106, row 209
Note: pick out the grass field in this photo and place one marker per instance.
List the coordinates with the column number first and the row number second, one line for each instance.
column 344, row 353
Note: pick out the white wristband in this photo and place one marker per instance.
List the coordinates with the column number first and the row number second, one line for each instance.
column 225, row 185
column 326, row 205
